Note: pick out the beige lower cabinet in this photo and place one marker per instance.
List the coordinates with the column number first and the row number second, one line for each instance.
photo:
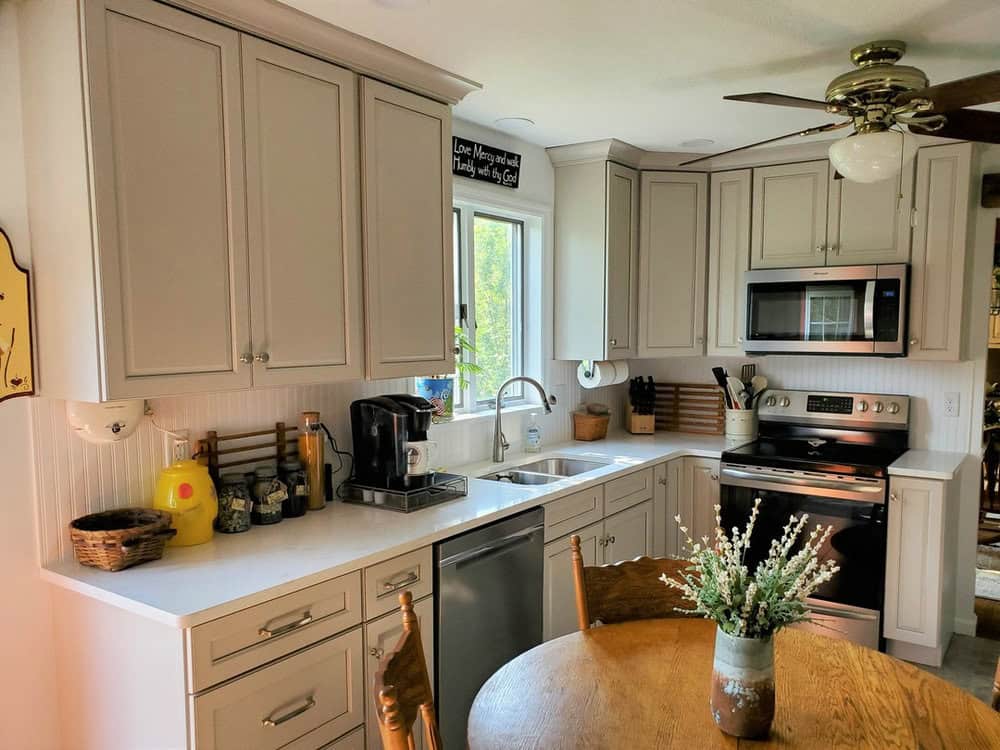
column 919, row 566
column 381, row 636
column 697, row 497
column 622, row 536
column 320, row 687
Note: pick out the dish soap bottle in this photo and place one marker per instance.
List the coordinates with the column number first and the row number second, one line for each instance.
column 533, row 436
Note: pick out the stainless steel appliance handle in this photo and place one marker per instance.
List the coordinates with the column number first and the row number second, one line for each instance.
column 869, row 311
column 492, row 547
column 818, row 607
column 864, row 490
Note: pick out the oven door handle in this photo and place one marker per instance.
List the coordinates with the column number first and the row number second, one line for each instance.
column 863, row 490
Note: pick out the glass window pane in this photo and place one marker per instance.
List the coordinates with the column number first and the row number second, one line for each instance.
column 497, row 288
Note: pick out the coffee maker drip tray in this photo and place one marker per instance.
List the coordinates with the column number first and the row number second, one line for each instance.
column 442, row 488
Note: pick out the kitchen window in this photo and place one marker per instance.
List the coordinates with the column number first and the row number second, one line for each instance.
column 489, row 295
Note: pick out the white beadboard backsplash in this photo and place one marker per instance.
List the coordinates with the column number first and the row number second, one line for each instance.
column 924, row 382
column 74, row 478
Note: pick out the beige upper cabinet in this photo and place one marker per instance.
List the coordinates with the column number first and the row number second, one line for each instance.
column 870, row 222
column 303, row 199
column 789, row 215
column 406, row 190
column 938, row 270
column 728, row 260
column 596, row 213
column 672, row 264
column 167, row 130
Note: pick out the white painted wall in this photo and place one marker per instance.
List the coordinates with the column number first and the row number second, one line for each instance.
column 28, row 692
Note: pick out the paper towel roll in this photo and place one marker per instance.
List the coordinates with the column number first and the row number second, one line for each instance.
column 601, row 373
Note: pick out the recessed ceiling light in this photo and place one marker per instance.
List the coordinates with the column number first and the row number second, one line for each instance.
column 697, row 143
column 514, row 123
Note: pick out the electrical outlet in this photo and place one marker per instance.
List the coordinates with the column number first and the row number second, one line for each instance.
column 951, row 404
column 176, row 446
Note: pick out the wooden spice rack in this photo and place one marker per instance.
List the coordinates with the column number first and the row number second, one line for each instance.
column 219, row 452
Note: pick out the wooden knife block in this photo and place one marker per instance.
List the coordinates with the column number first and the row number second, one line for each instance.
column 639, row 424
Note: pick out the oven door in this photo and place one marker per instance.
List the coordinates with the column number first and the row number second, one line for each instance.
column 846, row 310
column 857, row 543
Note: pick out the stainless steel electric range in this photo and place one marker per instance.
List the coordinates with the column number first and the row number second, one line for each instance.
column 825, row 454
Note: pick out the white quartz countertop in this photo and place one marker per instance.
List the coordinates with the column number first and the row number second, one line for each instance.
column 927, row 465
column 192, row 585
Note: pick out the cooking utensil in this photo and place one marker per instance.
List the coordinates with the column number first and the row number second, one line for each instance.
column 736, row 391
column 747, row 372
column 757, row 387
column 721, row 378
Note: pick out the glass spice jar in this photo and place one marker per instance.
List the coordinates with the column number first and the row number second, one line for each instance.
column 235, row 501
column 297, row 482
column 269, row 493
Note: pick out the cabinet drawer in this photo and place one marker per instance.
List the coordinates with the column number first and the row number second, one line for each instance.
column 319, row 687
column 319, row 739
column 232, row 645
column 627, row 491
column 413, row 572
column 567, row 514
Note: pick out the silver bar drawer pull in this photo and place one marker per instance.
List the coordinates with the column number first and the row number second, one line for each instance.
column 272, row 722
column 266, row 632
column 397, row 583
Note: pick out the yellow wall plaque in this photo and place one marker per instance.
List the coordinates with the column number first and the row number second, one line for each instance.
column 17, row 376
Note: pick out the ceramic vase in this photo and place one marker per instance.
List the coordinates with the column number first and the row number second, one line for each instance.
column 743, row 685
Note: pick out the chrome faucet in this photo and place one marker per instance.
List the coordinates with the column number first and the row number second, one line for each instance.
column 500, row 443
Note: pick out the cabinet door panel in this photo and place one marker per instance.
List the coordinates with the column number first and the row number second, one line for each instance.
column 728, row 260
column 870, row 222
column 303, row 203
column 559, row 614
column 699, row 496
column 406, row 158
column 629, row 534
column 381, row 636
column 938, row 270
column 168, row 172
column 672, row 264
column 622, row 259
column 789, row 215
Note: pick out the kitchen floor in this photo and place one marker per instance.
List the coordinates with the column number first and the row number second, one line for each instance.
column 971, row 661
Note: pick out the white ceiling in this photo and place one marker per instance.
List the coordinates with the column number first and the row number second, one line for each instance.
column 653, row 72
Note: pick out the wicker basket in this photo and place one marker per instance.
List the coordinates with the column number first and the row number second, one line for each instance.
column 590, row 426
column 118, row 539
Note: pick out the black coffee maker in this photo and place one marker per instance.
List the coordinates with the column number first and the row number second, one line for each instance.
column 390, row 441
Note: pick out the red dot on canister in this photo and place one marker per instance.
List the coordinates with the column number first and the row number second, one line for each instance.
column 185, row 490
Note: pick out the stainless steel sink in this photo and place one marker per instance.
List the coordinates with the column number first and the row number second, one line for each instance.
column 561, row 467
column 514, row 476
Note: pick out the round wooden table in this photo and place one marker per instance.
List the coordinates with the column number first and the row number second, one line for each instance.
column 646, row 684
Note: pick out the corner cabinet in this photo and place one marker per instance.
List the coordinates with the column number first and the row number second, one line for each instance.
column 672, row 253
column 789, row 215
column 728, row 260
column 940, row 220
column 409, row 283
column 596, row 257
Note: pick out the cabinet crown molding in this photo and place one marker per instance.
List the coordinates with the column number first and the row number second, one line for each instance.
column 609, row 149
column 293, row 28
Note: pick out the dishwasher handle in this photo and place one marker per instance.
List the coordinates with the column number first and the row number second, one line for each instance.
column 491, row 548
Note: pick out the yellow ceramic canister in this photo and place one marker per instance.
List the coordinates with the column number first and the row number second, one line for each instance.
column 185, row 490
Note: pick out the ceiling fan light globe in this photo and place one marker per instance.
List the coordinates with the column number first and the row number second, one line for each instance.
column 872, row 157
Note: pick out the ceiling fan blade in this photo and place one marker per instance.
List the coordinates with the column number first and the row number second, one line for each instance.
column 780, row 100
column 965, row 125
column 808, row 131
column 964, row 92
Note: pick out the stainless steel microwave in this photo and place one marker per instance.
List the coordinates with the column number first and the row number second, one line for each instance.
column 852, row 310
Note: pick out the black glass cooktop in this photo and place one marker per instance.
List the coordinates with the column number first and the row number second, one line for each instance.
column 819, row 454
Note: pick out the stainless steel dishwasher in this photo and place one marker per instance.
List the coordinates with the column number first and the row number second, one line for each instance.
column 489, row 610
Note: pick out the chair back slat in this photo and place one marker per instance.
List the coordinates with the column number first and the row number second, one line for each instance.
column 402, row 688
column 624, row 591
column 995, row 702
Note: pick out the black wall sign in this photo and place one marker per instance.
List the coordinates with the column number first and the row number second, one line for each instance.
column 481, row 162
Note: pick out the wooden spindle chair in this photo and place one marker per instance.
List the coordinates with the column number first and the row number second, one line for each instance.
column 402, row 688
column 624, row 591
column 995, row 702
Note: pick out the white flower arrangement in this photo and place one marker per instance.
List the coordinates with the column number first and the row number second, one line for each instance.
column 721, row 588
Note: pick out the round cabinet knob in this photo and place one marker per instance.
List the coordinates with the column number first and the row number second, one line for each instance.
column 700, row 340
column 893, row 407
column 821, row 249
column 770, row 401
column 862, row 406
column 613, row 342
column 246, row 358
column 877, row 407
column 913, row 342
column 739, row 339
column 785, row 402
column 263, row 358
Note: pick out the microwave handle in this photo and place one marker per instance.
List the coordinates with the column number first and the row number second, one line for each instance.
column 869, row 310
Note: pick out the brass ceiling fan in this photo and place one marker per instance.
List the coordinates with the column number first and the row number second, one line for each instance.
column 879, row 97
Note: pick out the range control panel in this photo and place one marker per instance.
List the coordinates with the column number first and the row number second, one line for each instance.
column 888, row 411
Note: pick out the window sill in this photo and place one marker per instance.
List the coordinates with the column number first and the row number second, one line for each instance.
column 472, row 416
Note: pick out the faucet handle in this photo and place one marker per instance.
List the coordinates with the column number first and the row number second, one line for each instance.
column 503, row 441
